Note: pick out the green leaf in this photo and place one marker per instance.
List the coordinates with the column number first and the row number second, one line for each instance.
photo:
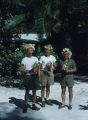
column 14, row 21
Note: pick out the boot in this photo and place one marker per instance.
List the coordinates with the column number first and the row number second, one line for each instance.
column 43, row 103
column 25, row 109
column 49, row 102
column 70, row 107
column 61, row 106
column 34, row 107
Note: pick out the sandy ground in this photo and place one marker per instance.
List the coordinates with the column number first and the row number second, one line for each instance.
column 11, row 104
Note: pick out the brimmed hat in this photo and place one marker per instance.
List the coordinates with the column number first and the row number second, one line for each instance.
column 49, row 47
column 68, row 51
column 26, row 46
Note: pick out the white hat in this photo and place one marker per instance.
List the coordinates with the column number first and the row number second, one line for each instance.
column 68, row 51
column 49, row 47
column 26, row 46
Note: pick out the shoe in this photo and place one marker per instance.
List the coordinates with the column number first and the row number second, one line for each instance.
column 69, row 107
column 25, row 109
column 61, row 106
column 49, row 102
column 43, row 103
column 34, row 107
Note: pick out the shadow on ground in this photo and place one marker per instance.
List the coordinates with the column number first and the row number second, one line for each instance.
column 20, row 103
column 14, row 111
column 83, row 107
column 55, row 102
column 11, row 112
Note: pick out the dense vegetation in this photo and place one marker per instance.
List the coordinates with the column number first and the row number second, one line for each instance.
column 62, row 19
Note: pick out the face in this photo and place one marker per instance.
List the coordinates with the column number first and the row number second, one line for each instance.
column 30, row 51
column 66, row 55
column 47, row 52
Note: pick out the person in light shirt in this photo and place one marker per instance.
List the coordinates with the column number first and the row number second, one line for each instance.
column 48, row 63
column 30, row 70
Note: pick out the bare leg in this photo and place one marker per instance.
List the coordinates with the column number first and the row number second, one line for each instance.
column 26, row 101
column 47, row 91
column 26, row 97
column 47, row 95
column 34, row 107
column 34, row 96
column 63, row 95
column 70, row 95
column 43, row 92
column 43, row 95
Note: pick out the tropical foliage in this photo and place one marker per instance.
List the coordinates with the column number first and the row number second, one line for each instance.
column 52, row 17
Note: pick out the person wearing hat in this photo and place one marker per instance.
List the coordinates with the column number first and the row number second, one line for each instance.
column 48, row 63
column 30, row 70
column 68, row 67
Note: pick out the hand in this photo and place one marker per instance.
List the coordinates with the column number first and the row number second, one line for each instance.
column 40, row 80
column 68, row 71
column 26, row 71
column 39, row 77
column 35, row 70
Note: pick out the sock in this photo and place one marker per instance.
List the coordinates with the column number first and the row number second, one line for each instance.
column 43, row 99
column 33, row 103
column 47, row 98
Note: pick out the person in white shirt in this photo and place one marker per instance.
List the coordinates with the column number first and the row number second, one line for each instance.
column 48, row 64
column 30, row 70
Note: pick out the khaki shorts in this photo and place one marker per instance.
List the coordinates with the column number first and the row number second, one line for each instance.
column 47, row 80
column 68, row 80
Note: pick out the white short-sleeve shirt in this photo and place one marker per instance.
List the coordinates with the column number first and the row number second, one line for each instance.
column 47, row 59
column 28, row 62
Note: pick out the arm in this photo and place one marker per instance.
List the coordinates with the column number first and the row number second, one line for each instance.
column 72, row 70
column 22, row 69
column 54, row 65
column 39, row 72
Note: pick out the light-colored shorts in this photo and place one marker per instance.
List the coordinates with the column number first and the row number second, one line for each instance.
column 47, row 80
